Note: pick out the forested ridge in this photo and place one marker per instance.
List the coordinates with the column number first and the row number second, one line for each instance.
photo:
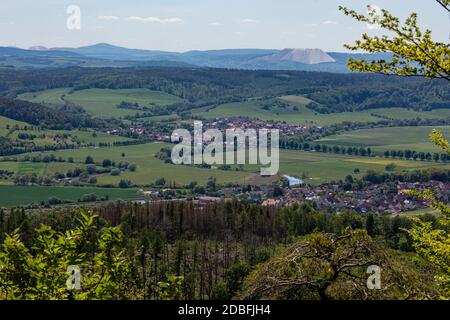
column 44, row 116
column 331, row 92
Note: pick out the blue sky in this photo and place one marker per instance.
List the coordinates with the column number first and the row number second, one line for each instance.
column 182, row 25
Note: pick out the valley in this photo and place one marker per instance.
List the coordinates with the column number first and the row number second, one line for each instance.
column 138, row 124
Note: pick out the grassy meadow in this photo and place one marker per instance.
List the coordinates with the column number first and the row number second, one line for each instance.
column 298, row 113
column 11, row 196
column 394, row 138
column 102, row 102
column 316, row 167
column 149, row 168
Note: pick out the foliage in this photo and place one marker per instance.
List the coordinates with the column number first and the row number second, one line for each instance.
column 430, row 242
column 438, row 139
column 36, row 114
column 329, row 266
column 414, row 54
column 170, row 289
column 40, row 271
column 212, row 247
column 414, row 51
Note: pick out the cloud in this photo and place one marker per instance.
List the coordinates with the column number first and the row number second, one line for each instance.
column 311, row 25
column 216, row 24
column 108, row 18
column 328, row 22
column 143, row 19
column 154, row 19
column 248, row 20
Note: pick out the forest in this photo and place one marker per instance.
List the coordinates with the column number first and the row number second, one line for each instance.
column 204, row 86
column 46, row 117
column 185, row 250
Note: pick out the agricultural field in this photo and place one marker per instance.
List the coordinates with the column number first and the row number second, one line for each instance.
column 314, row 167
column 73, row 137
column 21, row 131
column 11, row 196
column 149, row 168
column 102, row 102
column 39, row 168
column 395, row 138
column 51, row 97
column 407, row 114
column 298, row 113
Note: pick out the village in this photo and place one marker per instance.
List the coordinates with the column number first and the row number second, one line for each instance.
column 374, row 198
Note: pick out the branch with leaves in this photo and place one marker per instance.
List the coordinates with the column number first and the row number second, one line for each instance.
column 414, row 53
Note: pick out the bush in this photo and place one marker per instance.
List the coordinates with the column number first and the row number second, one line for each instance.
column 115, row 172
column 89, row 160
column 124, row 184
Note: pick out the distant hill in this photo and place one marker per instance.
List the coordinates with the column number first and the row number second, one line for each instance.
column 17, row 52
column 41, row 57
column 107, row 55
column 111, row 52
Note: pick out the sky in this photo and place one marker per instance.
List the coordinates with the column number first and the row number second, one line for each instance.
column 183, row 25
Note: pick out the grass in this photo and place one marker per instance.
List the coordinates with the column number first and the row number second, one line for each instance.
column 316, row 167
column 322, row 167
column 394, row 138
column 102, row 102
column 51, row 97
column 407, row 114
column 74, row 137
column 5, row 122
column 39, row 168
column 297, row 113
column 150, row 168
column 11, row 196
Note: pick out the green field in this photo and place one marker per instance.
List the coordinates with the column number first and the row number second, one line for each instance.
column 395, row 138
column 102, row 102
column 317, row 167
column 298, row 113
column 11, row 196
column 74, row 137
column 303, row 115
column 40, row 168
column 150, row 168
column 56, row 137
column 51, row 97
column 5, row 122
column 322, row 167
column 402, row 113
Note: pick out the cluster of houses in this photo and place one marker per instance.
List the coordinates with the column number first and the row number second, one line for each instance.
column 285, row 128
column 379, row 198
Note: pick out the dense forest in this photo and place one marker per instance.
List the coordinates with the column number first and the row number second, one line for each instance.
column 184, row 250
column 46, row 117
column 331, row 92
